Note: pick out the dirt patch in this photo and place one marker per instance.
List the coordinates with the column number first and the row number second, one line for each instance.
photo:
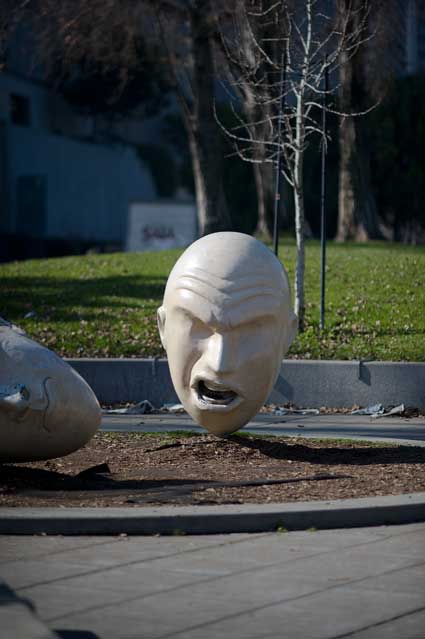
column 142, row 470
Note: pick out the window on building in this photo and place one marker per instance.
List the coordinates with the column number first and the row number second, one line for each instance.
column 20, row 110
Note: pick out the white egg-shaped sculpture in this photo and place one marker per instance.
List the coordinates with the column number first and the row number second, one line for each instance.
column 46, row 409
column 226, row 322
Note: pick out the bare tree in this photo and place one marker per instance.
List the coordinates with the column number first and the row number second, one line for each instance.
column 242, row 35
column 363, row 78
column 107, row 32
column 285, row 72
column 192, row 65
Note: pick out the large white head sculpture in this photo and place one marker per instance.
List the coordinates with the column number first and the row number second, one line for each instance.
column 226, row 323
column 46, row 409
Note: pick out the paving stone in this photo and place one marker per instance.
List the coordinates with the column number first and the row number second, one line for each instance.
column 324, row 584
column 17, row 622
column 18, row 548
column 407, row 626
column 117, row 552
column 326, row 615
column 18, row 619
column 407, row 580
column 196, row 613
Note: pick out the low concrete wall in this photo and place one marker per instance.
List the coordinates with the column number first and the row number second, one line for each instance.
column 128, row 380
column 305, row 383
column 342, row 384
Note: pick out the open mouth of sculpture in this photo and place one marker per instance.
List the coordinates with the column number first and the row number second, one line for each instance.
column 213, row 394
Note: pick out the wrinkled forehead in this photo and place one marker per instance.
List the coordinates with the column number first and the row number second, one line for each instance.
column 208, row 283
column 214, row 297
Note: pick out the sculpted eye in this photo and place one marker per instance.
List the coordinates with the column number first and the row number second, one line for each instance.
column 199, row 329
column 192, row 325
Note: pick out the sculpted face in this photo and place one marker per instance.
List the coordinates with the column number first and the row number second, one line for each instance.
column 46, row 409
column 226, row 323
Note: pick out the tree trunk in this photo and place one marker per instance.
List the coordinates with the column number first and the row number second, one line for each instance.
column 256, row 117
column 358, row 218
column 357, row 212
column 299, row 217
column 198, row 177
column 299, row 305
column 262, row 170
column 204, row 134
column 262, row 228
column 264, row 181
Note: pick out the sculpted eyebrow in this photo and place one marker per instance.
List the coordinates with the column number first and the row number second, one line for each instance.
column 230, row 323
column 186, row 310
column 263, row 316
column 194, row 292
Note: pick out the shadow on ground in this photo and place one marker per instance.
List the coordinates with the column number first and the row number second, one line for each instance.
column 356, row 455
column 57, row 298
column 76, row 634
column 169, row 478
column 28, row 480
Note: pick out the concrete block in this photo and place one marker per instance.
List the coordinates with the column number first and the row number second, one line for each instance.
column 128, row 380
column 305, row 383
column 342, row 384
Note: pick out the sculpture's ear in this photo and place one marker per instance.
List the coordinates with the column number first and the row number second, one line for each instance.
column 160, row 316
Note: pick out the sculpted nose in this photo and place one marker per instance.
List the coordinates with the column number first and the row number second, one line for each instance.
column 220, row 353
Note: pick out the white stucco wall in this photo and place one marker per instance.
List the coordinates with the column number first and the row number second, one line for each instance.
column 89, row 185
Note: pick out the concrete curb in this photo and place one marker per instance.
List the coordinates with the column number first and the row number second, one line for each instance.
column 338, row 384
column 18, row 618
column 227, row 518
column 399, row 431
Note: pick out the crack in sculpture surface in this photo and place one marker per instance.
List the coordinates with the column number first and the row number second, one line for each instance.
column 226, row 323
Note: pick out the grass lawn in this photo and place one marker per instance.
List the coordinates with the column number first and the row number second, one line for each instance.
column 105, row 305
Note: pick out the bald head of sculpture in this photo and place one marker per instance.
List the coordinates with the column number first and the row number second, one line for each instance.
column 226, row 323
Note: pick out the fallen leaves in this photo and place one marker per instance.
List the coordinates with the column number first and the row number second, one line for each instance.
column 146, row 462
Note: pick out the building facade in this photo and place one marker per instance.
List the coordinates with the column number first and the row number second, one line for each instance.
column 63, row 189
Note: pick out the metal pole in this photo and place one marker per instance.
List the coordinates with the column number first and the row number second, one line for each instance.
column 323, row 208
column 279, row 155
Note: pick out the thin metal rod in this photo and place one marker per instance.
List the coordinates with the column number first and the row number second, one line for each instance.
column 323, row 208
column 279, row 155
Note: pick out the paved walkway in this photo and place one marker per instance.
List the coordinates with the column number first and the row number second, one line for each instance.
column 365, row 583
column 337, row 425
